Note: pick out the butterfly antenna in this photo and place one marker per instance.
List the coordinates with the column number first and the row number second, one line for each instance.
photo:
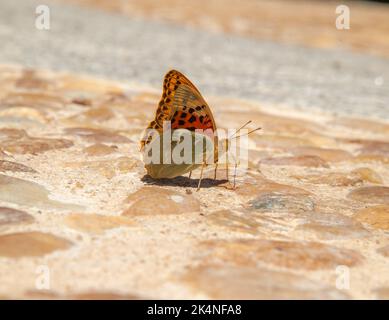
column 247, row 123
column 246, row 134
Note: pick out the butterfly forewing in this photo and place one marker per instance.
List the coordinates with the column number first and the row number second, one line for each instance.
column 182, row 104
column 191, row 111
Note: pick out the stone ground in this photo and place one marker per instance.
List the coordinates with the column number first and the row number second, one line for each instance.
column 74, row 199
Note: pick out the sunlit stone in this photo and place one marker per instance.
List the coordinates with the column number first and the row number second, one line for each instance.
column 334, row 179
column 280, row 142
column 245, row 282
column 98, row 114
column 31, row 244
column 382, row 293
column 107, row 168
column 286, row 254
column 40, row 100
column 23, row 192
column 368, row 175
column 99, row 149
column 9, row 216
column 16, row 141
column 259, row 186
column 98, row 135
column 377, row 216
column 331, row 226
column 159, row 201
column 378, row 195
column 278, row 202
column 23, row 116
column 372, row 147
column 384, row 251
column 231, row 221
column 303, row 161
column 330, row 155
column 95, row 223
column 14, row 167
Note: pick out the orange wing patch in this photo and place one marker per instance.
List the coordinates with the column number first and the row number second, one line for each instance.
column 188, row 119
column 182, row 104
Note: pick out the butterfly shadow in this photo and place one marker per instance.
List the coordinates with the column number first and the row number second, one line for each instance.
column 182, row 181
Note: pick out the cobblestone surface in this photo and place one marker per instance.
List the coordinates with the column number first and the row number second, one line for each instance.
column 74, row 199
column 311, row 207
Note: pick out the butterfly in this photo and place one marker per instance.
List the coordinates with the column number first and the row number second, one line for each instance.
column 183, row 105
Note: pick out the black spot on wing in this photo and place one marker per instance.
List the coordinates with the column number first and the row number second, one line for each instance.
column 192, row 119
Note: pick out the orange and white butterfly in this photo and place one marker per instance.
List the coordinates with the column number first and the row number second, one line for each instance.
column 182, row 104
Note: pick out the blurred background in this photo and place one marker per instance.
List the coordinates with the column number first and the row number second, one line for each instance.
column 278, row 52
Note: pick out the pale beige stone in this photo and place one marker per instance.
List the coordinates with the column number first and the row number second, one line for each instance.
column 287, row 254
column 31, row 244
column 232, row 221
column 160, row 201
column 23, row 192
column 334, row 179
column 377, row 216
column 374, row 195
column 96, row 223
column 244, row 282
column 384, row 251
column 368, row 175
column 280, row 142
column 19, row 142
column 10, row 216
column 14, row 167
column 259, row 186
column 98, row 135
column 382, row 293
column 327, row 154
column 282, row 202
column 332, row 226
column 303, row 161
column 99, row 149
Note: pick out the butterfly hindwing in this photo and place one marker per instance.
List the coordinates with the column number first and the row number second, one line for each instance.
column 201, row 149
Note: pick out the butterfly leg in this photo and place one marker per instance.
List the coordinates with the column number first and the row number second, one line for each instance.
column 190, row 174
column 227, row 142
column 236, row 165
column 227, row 171
column 201, row 176
column 214, row 177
